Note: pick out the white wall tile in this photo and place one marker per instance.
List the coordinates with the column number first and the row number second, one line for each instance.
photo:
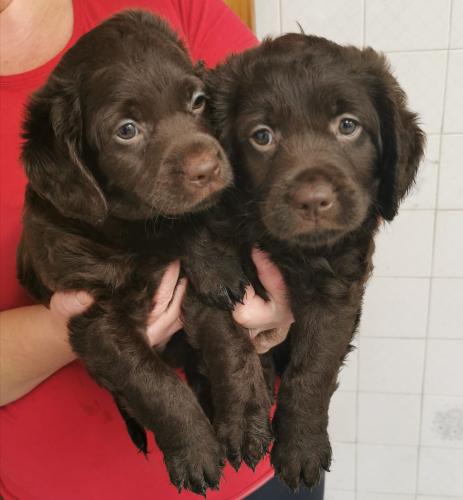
column 442, row 423
column 454, row 98
column 342, row 475
column 422, row 76
column 406, row 298
column 343, row 416
column 444, row 368
column 387, row 469
column 427, row 497
column 267, row 18
column 451, row 171
column 404, row 247
column 423, row 193
column 327, row 19
column 440, row 472
column 446, row 314
column 410, row 25
column 391, row 365
column 389, row 418
column 339, row 495
column 383, row 496
column 449, row 244
column 456, row 39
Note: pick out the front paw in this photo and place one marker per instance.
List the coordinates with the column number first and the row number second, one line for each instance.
column 245, row 435
column 221, row 286
column 301, row 459
column 197, row 465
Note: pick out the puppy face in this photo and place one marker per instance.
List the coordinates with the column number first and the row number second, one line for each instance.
column 320, row 133
column 126, row 131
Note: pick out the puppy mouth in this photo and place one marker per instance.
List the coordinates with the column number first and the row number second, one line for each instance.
column 178, row 200
column 306, row 231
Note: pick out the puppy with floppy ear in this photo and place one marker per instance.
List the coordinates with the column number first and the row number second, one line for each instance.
column 123, row 174
column 324, row 148
column 53, row 155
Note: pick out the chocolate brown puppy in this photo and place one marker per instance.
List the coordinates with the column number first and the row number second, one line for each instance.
column 324, row 149
column 122, row 172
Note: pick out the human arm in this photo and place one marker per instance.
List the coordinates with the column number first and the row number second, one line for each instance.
column 34, row 340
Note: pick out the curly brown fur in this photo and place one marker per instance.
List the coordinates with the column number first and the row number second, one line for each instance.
column 108, row 206
column 314, row 198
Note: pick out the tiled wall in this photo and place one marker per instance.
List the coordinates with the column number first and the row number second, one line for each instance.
column 397, row 419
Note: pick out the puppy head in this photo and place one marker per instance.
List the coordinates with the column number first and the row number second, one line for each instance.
column 319, row 134
column 118, row 128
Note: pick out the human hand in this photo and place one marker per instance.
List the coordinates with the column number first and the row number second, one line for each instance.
column 164, row 319
column 268, row 321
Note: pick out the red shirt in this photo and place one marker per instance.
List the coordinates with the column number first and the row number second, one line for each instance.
column 65, row 440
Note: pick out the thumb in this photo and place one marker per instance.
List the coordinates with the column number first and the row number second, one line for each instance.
column 68, row 304
column 268, row 273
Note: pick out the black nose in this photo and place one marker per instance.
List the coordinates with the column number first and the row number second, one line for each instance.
column 313, row 198
column 201, row 169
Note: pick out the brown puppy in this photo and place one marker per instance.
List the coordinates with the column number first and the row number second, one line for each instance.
column 324, row 147
column 116, row 153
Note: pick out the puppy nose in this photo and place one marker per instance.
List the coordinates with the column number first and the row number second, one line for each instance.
column 200, row 170
column 313, row 198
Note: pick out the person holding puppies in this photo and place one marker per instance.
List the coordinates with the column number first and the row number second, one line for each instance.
column 61, row 436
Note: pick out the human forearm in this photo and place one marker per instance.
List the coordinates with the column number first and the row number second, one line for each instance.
column 34, row 340
column 33, row 345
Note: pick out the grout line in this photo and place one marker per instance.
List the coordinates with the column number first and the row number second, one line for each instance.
column 396, row 393
column 364, row 24
column 406, row 276
column 389, row 494
column 433, row 253
column 431, row 209
column 411, row 51
column 357, row 394
column 280, row 8
column 424, row 337
column 399, row 445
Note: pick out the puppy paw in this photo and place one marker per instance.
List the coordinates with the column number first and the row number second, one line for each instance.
column 245, row 437
column 196, row 467
column 221, row 284
column 301, row 461
column 224, row 294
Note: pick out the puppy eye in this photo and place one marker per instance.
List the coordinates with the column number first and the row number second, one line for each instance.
column 347, row 126
column 198, row 102
column 127, row 131
column 262, row 138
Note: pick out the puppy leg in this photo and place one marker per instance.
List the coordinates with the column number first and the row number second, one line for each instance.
column 136, row 431
column 109, row 337
column 268, row 368
column 239, row 392
column 214, row 269
column 319, row 341
column 200, row 384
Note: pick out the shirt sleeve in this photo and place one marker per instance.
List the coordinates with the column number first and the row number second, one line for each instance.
column 212, row 30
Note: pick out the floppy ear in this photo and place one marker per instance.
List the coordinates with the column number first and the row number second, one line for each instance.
column 401, row 139
column 52, row 153
column 222, row 85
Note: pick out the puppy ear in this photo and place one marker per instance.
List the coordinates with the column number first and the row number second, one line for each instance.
column 52, row 153
column 401, row 139
column 222, row 84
